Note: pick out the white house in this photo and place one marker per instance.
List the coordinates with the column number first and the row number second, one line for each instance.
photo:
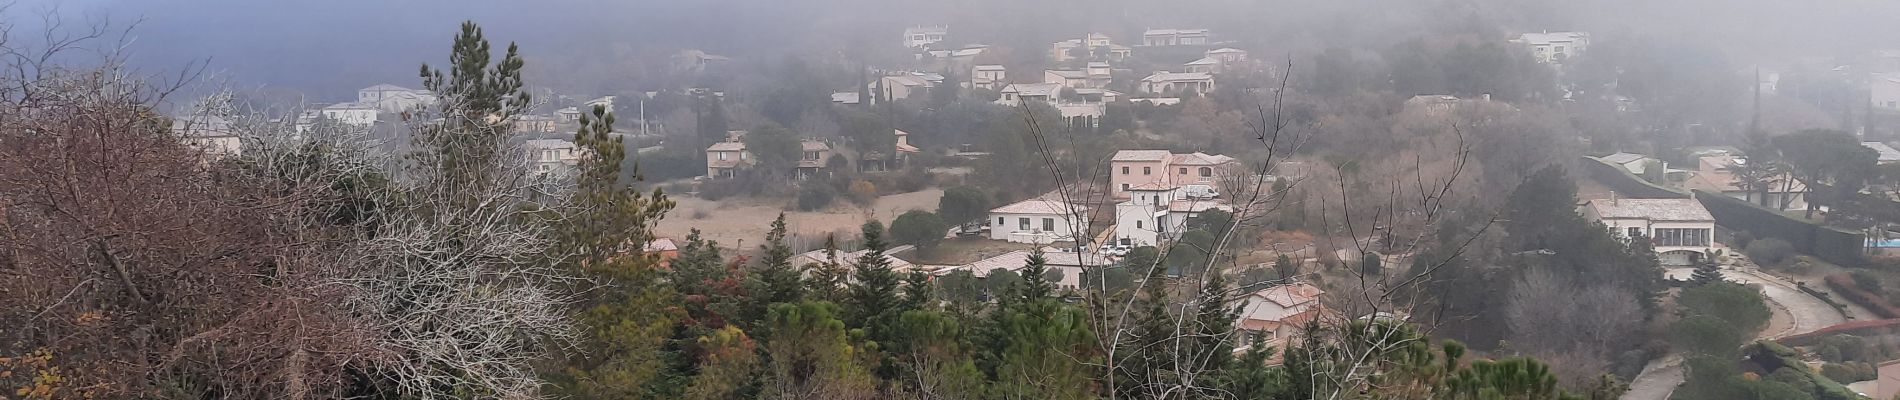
column 1087, row 103
column 1171, row 82
column 1157, row 212
column 989, row 76
column 1886, row 154
column 1636, row 164
column 551, row 156
column 1174, row 37
column 395, row 99
column 209, row 133
column 1278, row 312
column 920, row 36
column 1885, row 90
column 1554, row 47
column 1070, row 265
column 902, row 85
column 354, row 113
column 1038, row 221
column 1681, row 230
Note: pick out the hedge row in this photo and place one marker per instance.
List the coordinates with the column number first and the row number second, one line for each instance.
column 1625, row 184
column 1844, row 285
column 1835, row 245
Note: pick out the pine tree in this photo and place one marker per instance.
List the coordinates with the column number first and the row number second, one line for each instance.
column 1149, row 348
column 1250, row 377
column 776, row 281
column 828, row 277
column 1214, row 326
column 810, row 356
column 1036, row 285
column 873, row 299
column 1706, row 272
column 918, row 293
column 622, row 352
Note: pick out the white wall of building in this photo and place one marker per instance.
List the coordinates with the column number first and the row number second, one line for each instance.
column 1041, row 228
column 351, row 115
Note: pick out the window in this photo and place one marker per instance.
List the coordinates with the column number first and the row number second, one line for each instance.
column 1147, row 171
column 1048, row 224
column 1161, row 226
column 1137, row 224
column 742, row 155
column 1124, row 187
column 1022, row 223
column 722, row 156
column 1125, row 242
column 1183, row 170
column 811, row 155
column 1124, row 170
column 999, row 222
column 1207, row 172
column 1682, row 237
column 1635, row 231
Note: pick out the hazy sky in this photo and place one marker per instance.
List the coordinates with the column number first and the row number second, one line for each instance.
column 328, row 48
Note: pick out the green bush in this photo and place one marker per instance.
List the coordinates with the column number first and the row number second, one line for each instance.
column 1852, row 371
column 1741, row 239
column 815, row 197
column 1770, row 251
column 1866, row 280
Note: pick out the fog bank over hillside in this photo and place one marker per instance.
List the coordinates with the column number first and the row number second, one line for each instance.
column 325, row 48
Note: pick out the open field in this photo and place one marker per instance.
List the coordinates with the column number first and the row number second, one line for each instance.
column 732, row 220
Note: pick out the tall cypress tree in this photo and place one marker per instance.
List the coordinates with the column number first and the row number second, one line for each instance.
column 1214, row 326
column 828, row 277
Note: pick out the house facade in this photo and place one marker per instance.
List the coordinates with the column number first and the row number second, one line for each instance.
column 1278, row 312
column 1038, row 221
column 395, row 99
column 1156, row 213
column 211, row 134
column 1174, row 37
column 551, row 156
column 1173, row 82
column 1885, row 91
column 1682, row 232
column 920, row 36
column 1160, row 168
column 354, row 113
column 989, row 76
column 813, row 158
column 725, row 159
column 1554, row 47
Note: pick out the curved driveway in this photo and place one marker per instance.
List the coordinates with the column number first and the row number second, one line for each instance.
column 1808, row 313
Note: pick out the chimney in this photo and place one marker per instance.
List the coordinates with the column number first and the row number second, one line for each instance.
column 1486, row 97
column 1613, row 197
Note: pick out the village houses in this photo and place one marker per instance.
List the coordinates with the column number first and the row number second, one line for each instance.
column 394, row 99
column 1158, row 212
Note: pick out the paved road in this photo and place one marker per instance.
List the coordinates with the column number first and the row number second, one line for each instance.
column 1661, row 376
